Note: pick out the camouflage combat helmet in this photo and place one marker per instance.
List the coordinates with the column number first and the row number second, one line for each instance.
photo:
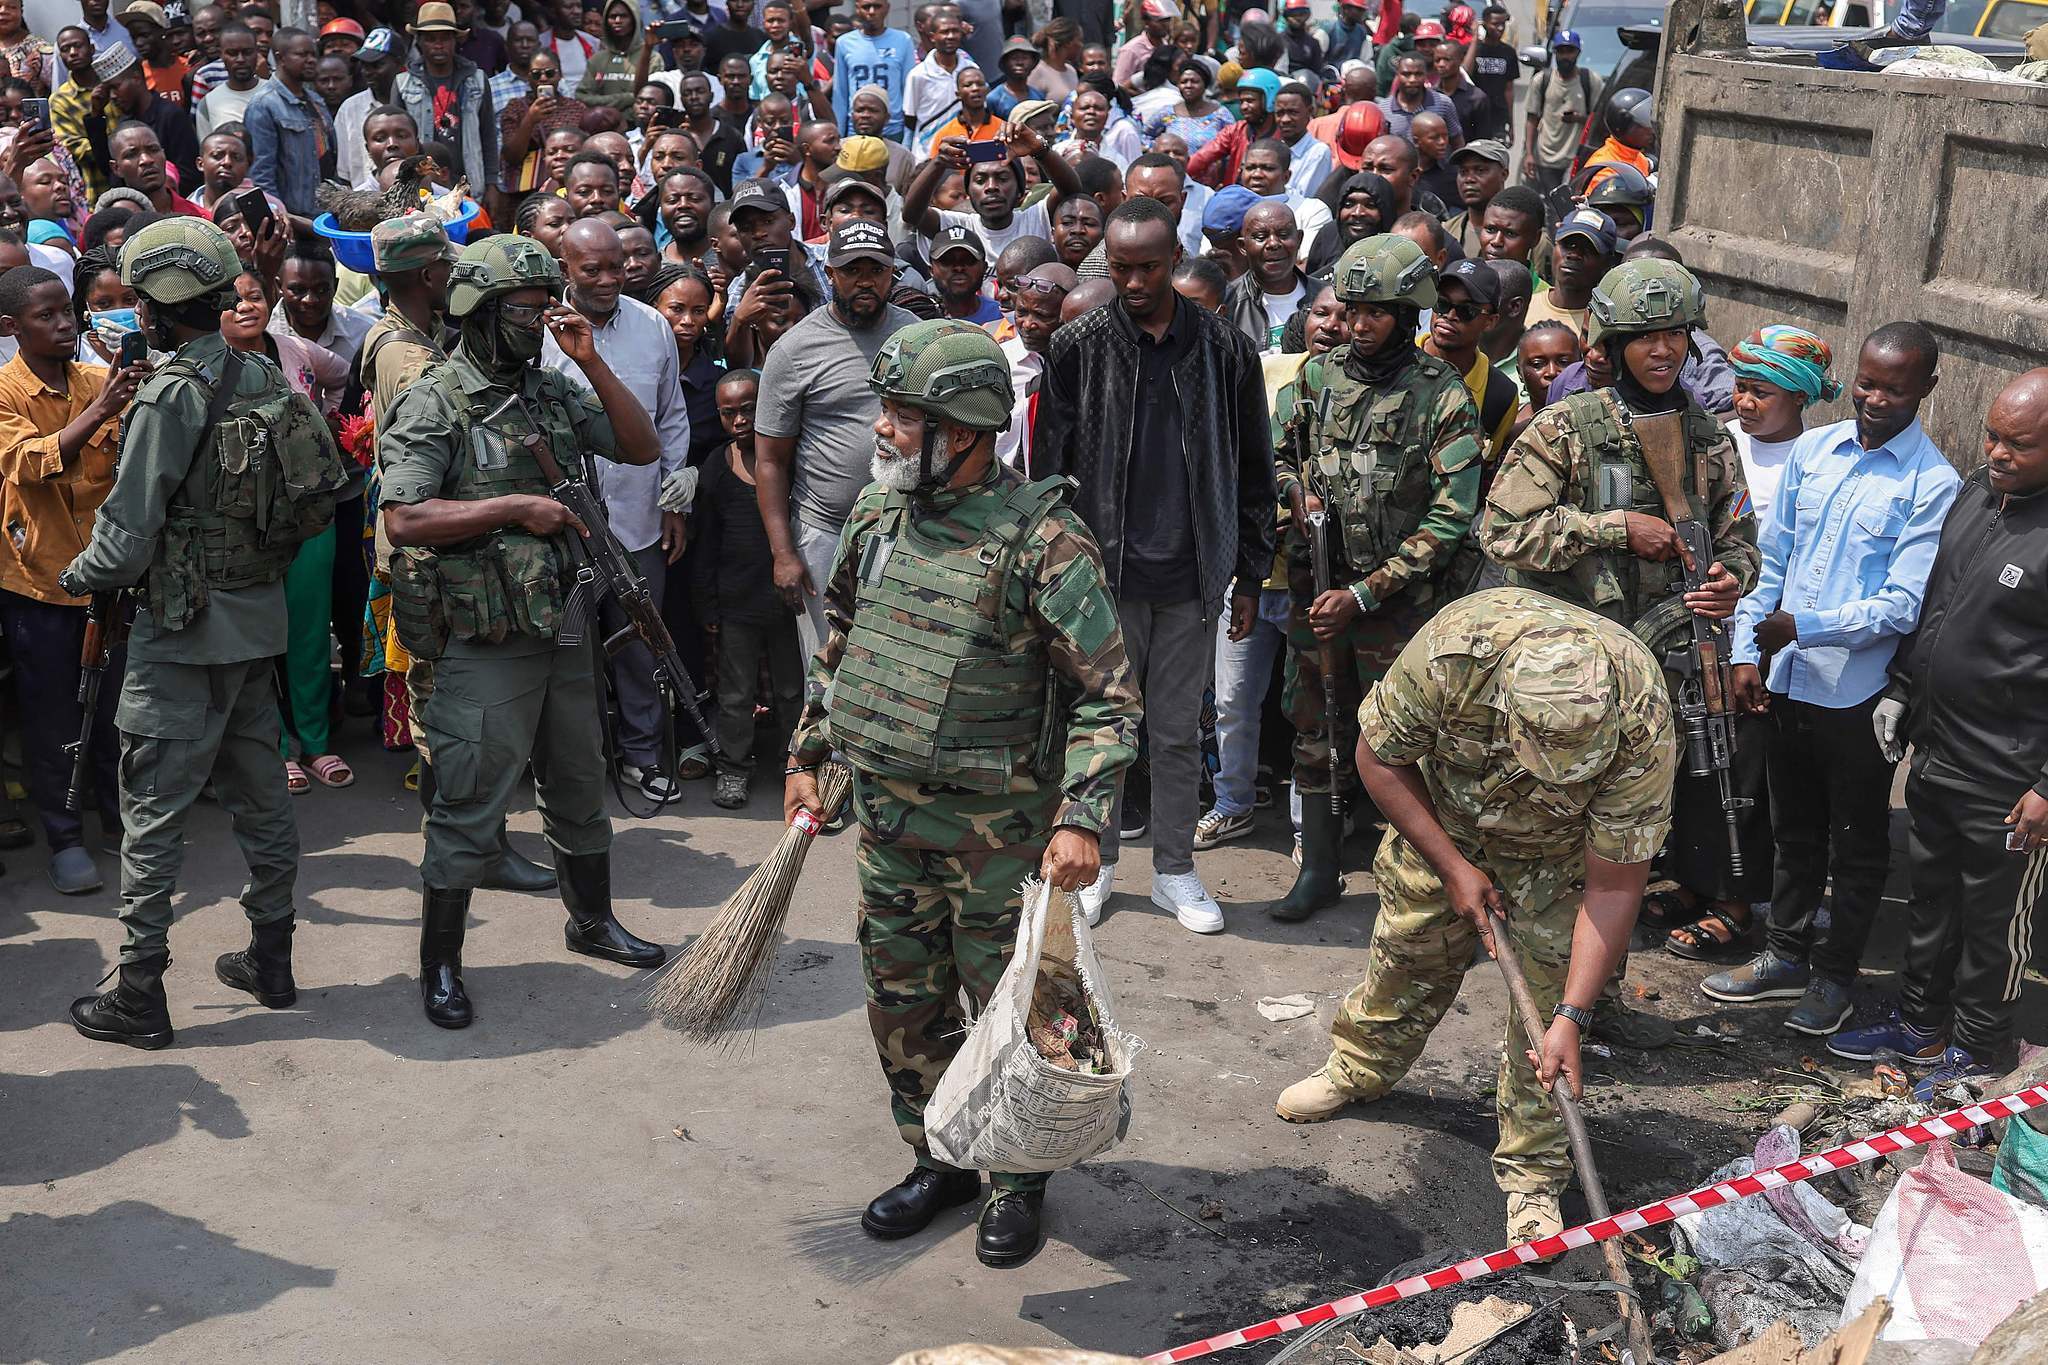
column 948, row 367
column 177, row 260
column 1645, row 296
column 1386, row 268
column 498, row 265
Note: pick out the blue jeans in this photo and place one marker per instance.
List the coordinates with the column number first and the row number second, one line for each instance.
column 1243, row 670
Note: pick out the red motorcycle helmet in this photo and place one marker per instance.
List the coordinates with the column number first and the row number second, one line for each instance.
column 1458, row 23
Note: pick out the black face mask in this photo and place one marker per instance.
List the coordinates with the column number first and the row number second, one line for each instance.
column 498, row 348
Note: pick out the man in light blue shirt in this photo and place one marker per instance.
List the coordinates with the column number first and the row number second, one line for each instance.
column 636, row 342
column 1846, row 553
column 873, row 54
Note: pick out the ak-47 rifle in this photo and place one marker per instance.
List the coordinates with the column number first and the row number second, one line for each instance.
column 1317, row 524
column 605, row 569
column 106, row 626
column 1706, row 690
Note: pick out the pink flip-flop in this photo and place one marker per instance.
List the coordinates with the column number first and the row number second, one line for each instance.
column 295, row 780
column 332, row 770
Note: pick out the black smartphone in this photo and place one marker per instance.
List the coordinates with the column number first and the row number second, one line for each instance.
column 667, row 118
column 669, row 29
column 771, row 258
column 134, row 349
column 987, row 151
column 35, row 113
column 255, row 209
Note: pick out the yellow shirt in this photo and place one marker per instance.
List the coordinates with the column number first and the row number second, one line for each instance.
column 47, row 503
column 1541, row 309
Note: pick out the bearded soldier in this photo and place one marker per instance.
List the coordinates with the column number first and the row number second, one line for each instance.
column 480, row 586
column 974, row 678
column 224, row 471
column 1385, row 443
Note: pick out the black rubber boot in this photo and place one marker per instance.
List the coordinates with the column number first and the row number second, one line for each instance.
column 909, row 1206
column 264, row 968
column 592, row 928
column 1320, row 883
column 443, row 917
column 135, row 1012
column 1011, row 1230
column 515, row 872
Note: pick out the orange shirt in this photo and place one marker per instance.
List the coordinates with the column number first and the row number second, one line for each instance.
column 169, row 81
column 987, row 132
column 47, row 503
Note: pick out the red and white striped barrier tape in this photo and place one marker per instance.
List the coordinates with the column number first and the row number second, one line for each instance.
column 1949, row 1124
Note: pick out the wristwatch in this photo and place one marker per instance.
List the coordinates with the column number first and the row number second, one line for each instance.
column 1583, row 1018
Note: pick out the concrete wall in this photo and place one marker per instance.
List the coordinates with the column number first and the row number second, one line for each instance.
column 1839, row 201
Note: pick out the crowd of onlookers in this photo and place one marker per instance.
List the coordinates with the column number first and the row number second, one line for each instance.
column 747, row 198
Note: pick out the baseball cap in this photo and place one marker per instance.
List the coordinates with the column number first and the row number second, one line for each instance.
column 859, row 153
column 1227, row 207
column 147, row 12
column 114, row 61
column 1428, row 29
column 1486, row 148
column 341, row 28
column 757, row 194
column 1477, row 277
column 1166, row 9
column 1595, row 226
column 850, row 184
column 1558, row 700
column 957, row 239
column 378, row 44
column 861, row 240
column 409, row 242
column 1293, row 5
column 1566, row 37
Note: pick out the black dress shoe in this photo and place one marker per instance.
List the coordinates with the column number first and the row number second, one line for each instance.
column 1011, row 1231
column 910, row 1206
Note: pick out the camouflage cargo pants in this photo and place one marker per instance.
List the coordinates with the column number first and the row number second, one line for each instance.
column 1420, row 951
column 180, row 725
column 933, row 924
column 1365, row 651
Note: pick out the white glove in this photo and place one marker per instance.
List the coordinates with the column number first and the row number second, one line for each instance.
column 1884, row 723
column 679, row 490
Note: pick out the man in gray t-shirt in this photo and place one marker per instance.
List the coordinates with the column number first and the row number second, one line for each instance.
column 814, row 420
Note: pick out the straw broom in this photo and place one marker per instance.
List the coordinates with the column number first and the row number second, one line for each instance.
column 717, row 983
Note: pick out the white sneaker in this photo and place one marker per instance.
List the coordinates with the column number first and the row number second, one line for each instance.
column 1095, row 893
column 1191, row 903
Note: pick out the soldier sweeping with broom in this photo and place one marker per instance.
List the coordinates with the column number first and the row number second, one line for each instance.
column 975, row 680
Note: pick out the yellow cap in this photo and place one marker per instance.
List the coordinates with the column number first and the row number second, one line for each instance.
column 863, row 154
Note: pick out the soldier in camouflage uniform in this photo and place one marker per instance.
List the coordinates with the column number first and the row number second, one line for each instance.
column 974, row 678
column 1575, row 512
column 224, row 471
column 1523, row 752
column 414, row 257
column 1385, row 438
column 479, row 588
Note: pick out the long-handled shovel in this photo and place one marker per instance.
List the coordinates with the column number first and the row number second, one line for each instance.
column 1633, row 1324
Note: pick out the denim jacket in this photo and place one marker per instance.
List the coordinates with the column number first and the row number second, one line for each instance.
column 287, row 135
column 478, row 140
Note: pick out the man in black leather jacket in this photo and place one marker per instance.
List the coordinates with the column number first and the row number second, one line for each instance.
column 1157, row 409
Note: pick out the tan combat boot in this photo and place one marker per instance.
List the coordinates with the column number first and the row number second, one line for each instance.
column 1531, row 1216
column 1313, row 1100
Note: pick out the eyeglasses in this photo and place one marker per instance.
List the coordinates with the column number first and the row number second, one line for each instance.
column 522, row 314
column 1032, row 285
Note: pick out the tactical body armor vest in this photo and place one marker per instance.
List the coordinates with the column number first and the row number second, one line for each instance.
column 1366, row 451
column 505, row 584
column 262, row 482
column 930, row 688
column 1618, row 584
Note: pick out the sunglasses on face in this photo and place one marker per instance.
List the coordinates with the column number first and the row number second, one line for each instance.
column 1463, row 312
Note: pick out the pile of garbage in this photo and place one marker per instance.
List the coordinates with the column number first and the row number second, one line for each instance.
column 1063, row 1026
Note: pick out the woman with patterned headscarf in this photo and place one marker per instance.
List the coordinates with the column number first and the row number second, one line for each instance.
column 1780, row 371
